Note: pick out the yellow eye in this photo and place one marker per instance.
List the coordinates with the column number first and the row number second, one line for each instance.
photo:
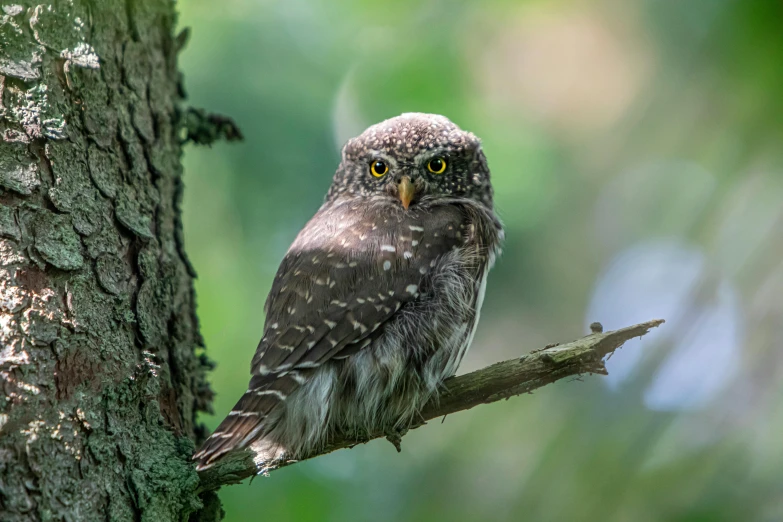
column 378, row 168
column 437, row 165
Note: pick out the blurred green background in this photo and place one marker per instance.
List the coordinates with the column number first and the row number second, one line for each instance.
column 636, row 150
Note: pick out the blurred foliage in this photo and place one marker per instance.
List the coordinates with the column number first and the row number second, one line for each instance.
column 636, row 158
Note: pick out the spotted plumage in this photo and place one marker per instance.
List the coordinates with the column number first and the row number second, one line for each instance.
column 377, row 300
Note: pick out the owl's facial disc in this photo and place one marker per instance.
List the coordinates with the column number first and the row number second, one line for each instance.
column 413, row 160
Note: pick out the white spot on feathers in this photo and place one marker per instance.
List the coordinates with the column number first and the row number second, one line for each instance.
column 277, row 393
column 298, row 377
column 359, row 326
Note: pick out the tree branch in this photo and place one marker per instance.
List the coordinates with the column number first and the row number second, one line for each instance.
column 493, row 383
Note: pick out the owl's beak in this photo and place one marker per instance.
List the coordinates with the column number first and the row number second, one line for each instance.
column 406, row 191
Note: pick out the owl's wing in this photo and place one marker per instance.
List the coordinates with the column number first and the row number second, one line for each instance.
column 344, row 277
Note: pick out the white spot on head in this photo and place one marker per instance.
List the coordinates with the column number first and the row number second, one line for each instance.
column 386, row 265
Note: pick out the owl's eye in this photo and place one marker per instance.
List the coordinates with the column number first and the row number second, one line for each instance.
column 378, row 168
column 437, row 165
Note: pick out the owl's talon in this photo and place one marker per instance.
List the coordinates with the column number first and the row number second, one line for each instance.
column 395, row 435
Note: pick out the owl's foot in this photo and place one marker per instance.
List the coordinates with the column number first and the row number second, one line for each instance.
column 395, row 435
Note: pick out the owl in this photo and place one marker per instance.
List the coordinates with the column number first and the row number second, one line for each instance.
column 377, row 299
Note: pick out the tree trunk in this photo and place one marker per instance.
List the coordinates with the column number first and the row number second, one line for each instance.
column 99, row 345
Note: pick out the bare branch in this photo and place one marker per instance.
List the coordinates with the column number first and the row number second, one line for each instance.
column 493, row 383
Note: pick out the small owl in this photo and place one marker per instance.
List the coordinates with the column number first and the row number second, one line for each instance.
column 378, row 298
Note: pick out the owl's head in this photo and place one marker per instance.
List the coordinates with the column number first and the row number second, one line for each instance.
column 413, row 160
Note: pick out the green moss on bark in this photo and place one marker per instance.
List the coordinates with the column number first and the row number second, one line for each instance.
column 96, row 300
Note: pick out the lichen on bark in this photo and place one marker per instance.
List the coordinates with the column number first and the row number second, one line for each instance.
column 101, row 365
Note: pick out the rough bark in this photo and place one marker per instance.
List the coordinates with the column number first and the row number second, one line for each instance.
column 99, row 362
column 493, row 383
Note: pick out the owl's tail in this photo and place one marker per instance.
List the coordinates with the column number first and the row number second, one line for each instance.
column 251, row 418
column 235, row 432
